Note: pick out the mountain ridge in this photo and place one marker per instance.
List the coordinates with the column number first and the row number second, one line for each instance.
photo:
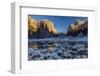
column 79, row 27
column 46, row 28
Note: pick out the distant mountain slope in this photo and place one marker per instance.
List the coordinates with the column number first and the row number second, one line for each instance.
column 79, row 28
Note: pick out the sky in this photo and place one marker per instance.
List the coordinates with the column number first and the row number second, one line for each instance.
column 61, row 22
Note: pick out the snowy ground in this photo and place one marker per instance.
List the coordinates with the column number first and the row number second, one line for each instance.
column 53, row 49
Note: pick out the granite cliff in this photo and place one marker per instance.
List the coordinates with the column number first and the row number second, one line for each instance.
column 79, row 28
column 41, row 29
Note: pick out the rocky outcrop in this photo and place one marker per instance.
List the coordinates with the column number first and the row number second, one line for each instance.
column 79, row 28
column 46, row 24
column 40, row 29
column 32, row 24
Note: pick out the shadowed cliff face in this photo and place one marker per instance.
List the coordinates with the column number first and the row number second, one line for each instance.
column 79, row 28
column 40, row 29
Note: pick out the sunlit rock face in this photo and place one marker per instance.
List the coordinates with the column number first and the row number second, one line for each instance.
column 46, row 24
column 46, row 29
column 40, row 29
column 79, row 28
column 32, row 24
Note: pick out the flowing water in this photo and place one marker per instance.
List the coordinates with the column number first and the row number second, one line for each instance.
column 56, row 48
